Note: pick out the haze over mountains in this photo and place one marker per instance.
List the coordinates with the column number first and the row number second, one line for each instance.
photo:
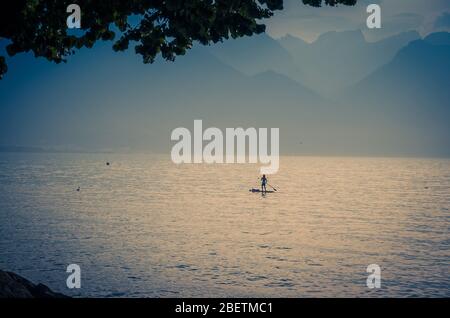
column 334, row 61
column 117, row 102
column 408, row 99
column 339, row 95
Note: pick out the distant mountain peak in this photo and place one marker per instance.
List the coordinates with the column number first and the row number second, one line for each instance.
column 290, row 37
column 352, row 35
column 411, row 35
column 438, row 38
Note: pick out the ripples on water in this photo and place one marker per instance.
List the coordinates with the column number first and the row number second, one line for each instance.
column 144, row 227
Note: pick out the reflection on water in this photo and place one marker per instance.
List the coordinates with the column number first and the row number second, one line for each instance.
column 146, row 227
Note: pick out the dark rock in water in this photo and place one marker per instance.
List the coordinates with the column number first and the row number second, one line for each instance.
column 15, row 286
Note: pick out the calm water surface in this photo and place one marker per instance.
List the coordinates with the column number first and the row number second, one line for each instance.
column 144, row 227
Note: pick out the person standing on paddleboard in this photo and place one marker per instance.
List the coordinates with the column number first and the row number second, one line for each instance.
column 263, row 183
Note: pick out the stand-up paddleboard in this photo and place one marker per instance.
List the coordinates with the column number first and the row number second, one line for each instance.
column 259, row 191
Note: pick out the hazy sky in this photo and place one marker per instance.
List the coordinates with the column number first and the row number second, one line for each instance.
column 398, row 16
column 107, row 100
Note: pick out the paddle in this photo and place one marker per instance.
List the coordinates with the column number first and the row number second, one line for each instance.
column 270, row 186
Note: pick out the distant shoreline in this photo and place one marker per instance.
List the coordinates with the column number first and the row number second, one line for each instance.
column 41, row 150
column 26, row 149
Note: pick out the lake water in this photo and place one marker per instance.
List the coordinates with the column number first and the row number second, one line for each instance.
column 144, row 227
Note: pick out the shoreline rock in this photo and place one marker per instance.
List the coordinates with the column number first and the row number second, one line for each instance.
column 15, row 286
